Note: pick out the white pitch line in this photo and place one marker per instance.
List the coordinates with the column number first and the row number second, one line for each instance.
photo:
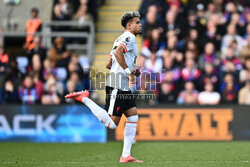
column 82, row 162
column 44, row 162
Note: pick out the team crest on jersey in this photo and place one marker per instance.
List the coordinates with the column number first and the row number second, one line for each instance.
column 127, row 39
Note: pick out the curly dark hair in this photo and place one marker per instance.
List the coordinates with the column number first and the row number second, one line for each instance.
column 127, row 16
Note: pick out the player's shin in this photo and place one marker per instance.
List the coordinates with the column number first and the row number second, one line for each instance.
column 100, row 113
column 129, row 134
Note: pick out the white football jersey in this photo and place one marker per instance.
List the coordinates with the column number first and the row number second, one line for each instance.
column 118, row 78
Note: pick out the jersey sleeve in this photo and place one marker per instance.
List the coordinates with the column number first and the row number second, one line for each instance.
column 127, row 43
column 111, row 54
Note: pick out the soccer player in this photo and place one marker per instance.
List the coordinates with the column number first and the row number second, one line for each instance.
column 119, row 100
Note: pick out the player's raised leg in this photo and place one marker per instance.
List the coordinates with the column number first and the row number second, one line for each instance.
column 100, row 113
column 129, row 135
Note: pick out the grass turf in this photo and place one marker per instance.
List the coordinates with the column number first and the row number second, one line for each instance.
column 164, row 154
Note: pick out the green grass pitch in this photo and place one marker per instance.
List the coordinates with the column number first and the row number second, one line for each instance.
column 165, row 154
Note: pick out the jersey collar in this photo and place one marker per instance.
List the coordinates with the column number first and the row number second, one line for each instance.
column 129, row 32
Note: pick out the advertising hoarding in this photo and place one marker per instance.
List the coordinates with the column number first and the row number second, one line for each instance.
column 39, row 123
column 182, row 124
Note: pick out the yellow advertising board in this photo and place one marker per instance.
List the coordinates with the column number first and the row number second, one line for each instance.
column 181, row 124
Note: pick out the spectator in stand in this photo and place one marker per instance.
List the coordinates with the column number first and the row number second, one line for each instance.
column 70, row 87
column 179, row 11
column 153, row 64
column 59, row 85
column 51, row 96
column 220, row 22
column 82, row 67
column 172, row 51
column 229, row 89
column 38, row 49
column 189, row 95
column 245, row 72
column 33, row 25
column 171, row 74
column 193, row 47
column 74, row 66
column 59, row 55
column 9, row 93
column 234, row 46
column 190, row 72
column 82, row 15
column 245, row 51
column 151, row 22
column 208, row 96
column 4, row 62
column 209, row 56
column 231, row 63
column 170, row 24
column 229, row 38
column 212, row 34
column 246, row 15
column 246, row 35
column 171, row 42
column 160, row 4
column 27, row 93
column 244, row 94
column 192, row 36
column 74, row 77
column 166, row 92
column 93, row 6
column 230, row 8
column 211, row 9
column 191, row 23
column 174, row 72
column 48, row 69
column 218, row 18
column 189, row 55
column 209, row 75
column 236, row 20
column 62, row 10
column 13, row 74
column 36, row 66
column 153, row 44
column 38, row 84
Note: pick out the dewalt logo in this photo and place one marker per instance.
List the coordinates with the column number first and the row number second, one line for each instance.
column 181, row 124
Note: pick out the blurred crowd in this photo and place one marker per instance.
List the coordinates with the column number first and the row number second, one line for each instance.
column 80, row 10
column 45, row 76
column 194, row 52
column 199, row 48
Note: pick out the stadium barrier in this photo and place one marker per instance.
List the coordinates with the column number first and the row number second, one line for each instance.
column 40, row 123
column 190, row 123
column 76, row 123
column 47, row 34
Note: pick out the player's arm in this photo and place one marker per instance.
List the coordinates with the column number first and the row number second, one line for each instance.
column 109, row 63
column 120, row 57
column 121, row 60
